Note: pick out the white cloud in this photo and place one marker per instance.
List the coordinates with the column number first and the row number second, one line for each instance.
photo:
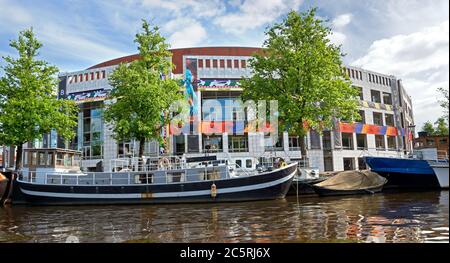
column 342, row 21
column 188, row 32
column 337, row 38
column 255, row 13
column 196, row 8
column 421, row 59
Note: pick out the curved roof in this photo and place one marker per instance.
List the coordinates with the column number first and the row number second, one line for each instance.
column 178, row 54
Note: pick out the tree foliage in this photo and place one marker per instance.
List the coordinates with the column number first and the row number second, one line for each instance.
column 428, row 128
column 303, row 71
column 28, row 102
column 440, row 128
column 140, row 94
column 444, row 101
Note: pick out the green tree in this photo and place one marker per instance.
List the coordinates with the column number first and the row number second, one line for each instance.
column 140, row 96
column 428, row 128
column 441, row 128
column 28, row 102
column 444, row 101
column 303, row 71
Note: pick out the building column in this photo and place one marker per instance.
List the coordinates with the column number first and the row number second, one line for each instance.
column 225, row 142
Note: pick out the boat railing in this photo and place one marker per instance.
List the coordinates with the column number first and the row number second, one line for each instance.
column 129, row 178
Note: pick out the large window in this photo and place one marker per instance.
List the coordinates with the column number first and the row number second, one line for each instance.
column 212, row 143
column 378, row 118
column 125, row 149
column 379, row 142
column 387, row 98
column 361, row 141
column 273, row 144
column 375, row 96
column 389, row 118
column 238, row 143
column 360, row 92
column 326, row 140
column 92, row 130
column 347, row 141
column 362, row 113
column 179, row 144
column 349, row 164
column 294, row 143
column 392, row 144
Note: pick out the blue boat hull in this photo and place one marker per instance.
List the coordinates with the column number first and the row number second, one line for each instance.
column 404, row 173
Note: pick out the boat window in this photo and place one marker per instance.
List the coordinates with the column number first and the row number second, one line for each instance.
column 49, row 159
column 239, row 163
column 59, row 159
column 42, row 158
column 248, row 163
column 33, row 158
column 67, row 160
column 76, row 161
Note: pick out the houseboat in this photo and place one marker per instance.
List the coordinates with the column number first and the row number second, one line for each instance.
column 54, row 177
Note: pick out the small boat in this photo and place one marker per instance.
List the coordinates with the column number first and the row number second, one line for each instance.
column 405, row 172
column 54, row 177
column 304, row 186
column 350, row 183
column 441, row 172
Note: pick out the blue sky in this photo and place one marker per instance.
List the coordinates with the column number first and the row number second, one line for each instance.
column 406, row 38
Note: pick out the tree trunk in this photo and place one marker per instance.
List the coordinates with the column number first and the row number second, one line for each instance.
column 19, row 157
column 141, row 153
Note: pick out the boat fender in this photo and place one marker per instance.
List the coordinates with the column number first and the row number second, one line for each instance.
column 283, row 164
column 213, row 190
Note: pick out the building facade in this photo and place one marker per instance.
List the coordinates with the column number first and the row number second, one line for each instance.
column 385, row 107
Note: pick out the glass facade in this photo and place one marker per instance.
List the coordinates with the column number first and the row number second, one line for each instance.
column 92, row 130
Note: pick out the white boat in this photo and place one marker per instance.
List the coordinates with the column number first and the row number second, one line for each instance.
column 441, row 172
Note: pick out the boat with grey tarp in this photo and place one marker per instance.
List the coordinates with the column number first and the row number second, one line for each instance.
column 351, row 182
column 53, row 176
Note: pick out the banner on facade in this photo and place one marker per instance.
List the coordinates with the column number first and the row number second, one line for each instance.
column 216, row 85
column 81, row 97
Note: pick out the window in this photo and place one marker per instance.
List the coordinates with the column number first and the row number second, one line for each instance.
column 270, row 145
column 363, row 117
column 92, row 75
column 443, row 141
column 349, row 164
column 430, row 142
column 347, row 141
column 208, row 63
column 238, row 143
column 392, row 144
column 379, row 142
column 361, row 141
column 103, row 74
column 86, row 77
column 389, row 118
column 200, row 63
column 49, row 159
column 248, row 163
column 229, row 63
column 222, row 63
column 326, row 140
column 378, row 118
column 361, row 164
column 370, row 77
column 80, row 77
column 214, row 63
column 212, row 143
column 387, row 98
column 179, row 144
column 353, row 74
column 360, row 75
column 236, row 63
column 294, row 143
column 360, row 92
column 376, row 96
column 42, row 158
column 315, row 140
column 243, row 63
column 98, row 74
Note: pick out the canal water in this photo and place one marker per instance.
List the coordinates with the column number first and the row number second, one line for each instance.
column 385, row 217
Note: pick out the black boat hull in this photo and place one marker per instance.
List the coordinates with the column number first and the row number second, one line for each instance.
column 304, row 187
column 410, row 181
column 272, row 185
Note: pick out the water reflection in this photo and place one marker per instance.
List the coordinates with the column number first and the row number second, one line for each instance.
column 389, row 217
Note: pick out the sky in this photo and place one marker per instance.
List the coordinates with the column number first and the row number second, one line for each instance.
column 405, row 38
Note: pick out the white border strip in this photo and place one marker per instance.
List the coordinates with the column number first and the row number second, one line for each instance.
column 160, row 195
